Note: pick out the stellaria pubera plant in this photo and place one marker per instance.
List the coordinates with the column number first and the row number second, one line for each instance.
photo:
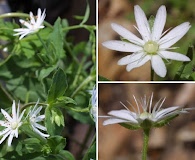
column 144, row 117
column 45, row 62
column 154, row 44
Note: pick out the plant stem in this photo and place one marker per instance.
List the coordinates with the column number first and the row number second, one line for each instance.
column 152, row 75
column 32, row 103
column 79, row 26
column 145, row 144
column 86, row 81
column 84, row 143
column 15, row 14
column 92, row 142
column 42, row 43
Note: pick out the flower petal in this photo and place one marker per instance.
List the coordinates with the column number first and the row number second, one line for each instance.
column 130, row 58
column 25, row 23
column 39, row 132
column 165, row 111
column 174, row 35
column 5, row 136
column 174, row 56
column 114, row 121
column 6, row 115
column 4, row 131
column 126, row 34
column 123, row 114
column 138, row 63
column 159, row 23
column 142, row 23
column 121, row 46
column 158, row 65
column 39, row 126
column 39, row 118
column 11, row 136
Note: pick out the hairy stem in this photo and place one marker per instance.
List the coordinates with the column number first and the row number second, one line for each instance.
column 145, row 144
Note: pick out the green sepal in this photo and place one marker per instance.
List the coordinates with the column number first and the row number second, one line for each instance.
column 165, row 122
column 146, row 124
column 130, row 126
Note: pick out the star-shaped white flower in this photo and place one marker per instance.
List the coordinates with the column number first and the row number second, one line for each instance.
column 35, row 23
column 154, row 44
column 144, row 116
column 35, row 118
column 12, row 124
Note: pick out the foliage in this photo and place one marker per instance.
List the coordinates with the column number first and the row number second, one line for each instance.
column 50, row 67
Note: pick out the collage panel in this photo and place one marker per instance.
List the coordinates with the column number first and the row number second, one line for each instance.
column 146, row 40
column 48, row 79
column 153, row 121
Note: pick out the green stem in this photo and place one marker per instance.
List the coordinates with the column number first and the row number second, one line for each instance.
column 84, row 144
column 70, row 53
column 32, row 103
column 15, row 14
column 78, row 72
column 152, row 75
column 86, row 81
column 42, row 42
column 79, row 26
column 86, row 156
column 145, row 144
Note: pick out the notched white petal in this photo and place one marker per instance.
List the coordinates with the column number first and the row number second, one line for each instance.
column 158, row 66
column 140, row 62
column 142, row 23
column 114, row 121
column 126, row 34
column 121, row 46
column 130, row 58
column 174, row 35
column 159, row 23
column 174, row 56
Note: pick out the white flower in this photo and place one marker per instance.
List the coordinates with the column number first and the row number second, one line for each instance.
column 93, row 109
column 12, row 124
column 33, row 25
column 154, row 44
column 35, row 118
column 144, row 116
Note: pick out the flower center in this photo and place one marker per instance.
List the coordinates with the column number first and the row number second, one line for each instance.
column 151, row 47
column 14, row 125
column 145, row 115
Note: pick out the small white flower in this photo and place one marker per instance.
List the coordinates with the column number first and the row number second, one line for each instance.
column 144, row 116
column 33, row 25
column 154, row 44
column 93, row 109
column 35, row 118
column 12, row 124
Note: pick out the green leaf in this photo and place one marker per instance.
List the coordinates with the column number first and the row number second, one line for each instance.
column 102, row 78
column 32, row 145
column 186, row 70
column 66, row 155
column 51, row 117
column 58, row 86
column 56, row 38
column 56, row 143
column 66, row 100
column 87, row 13
column 45, row 72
